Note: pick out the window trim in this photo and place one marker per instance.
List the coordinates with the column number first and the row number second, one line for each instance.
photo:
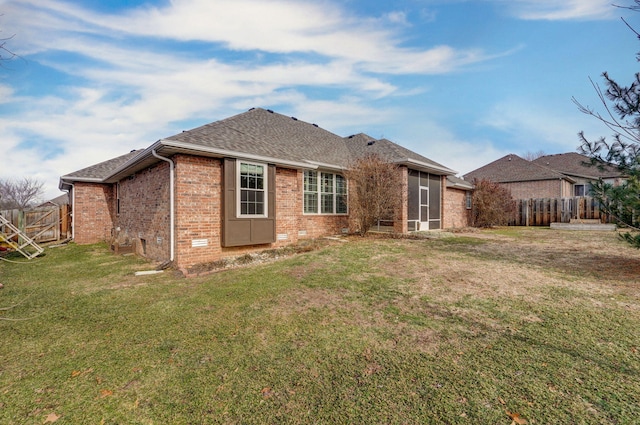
column 320, row 194
column 264, row 190
column 586, row 189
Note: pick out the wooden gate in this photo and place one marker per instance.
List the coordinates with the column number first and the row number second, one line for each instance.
column 44, row 224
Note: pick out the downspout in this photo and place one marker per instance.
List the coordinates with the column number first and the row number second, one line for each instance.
column 171, row 202
column 72, row 199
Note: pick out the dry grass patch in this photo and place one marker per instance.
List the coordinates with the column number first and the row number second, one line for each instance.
column 456, row 329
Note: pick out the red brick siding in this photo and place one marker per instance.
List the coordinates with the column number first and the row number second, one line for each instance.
column 288, row 205
column 455, row 212
column 93, row 213
column 539, row 189
column 198, row 209
column 144, row 211
column 401, row 224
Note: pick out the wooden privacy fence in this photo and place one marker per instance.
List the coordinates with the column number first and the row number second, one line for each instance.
column 44, row 224
column 544, row 211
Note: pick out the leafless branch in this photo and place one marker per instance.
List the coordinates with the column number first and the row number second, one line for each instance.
column 624, row 129
column 20, row 193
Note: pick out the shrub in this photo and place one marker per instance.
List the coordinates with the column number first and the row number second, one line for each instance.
column 492, row 204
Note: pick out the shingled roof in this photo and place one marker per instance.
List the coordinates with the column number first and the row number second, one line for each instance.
column 262, row 135
column 511, row 168
column 362, row 144
column 574, row 164
column 100, row 171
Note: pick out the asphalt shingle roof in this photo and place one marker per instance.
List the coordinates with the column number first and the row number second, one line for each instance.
column 103, row 169
column 263, row 133
column 266, row 133
column 362, row 144
column 512, row 168
column 572, row 164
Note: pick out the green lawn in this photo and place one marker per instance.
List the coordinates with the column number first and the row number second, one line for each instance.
column 494, row 327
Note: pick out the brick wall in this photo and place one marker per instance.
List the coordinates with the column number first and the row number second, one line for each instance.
column 144, row 212
column 401, row 224
column 198, row 199
column 93, row 213
column 456, row 214
column 288, row 205
column 291, row 223
column 539, row 189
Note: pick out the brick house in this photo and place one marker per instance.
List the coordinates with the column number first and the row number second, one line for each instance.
column 572, row 164
column 549, row 176
column 252, row 181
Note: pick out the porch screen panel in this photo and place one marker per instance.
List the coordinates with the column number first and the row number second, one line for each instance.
column 413, row 209
column 435, row 193
column 424, row 179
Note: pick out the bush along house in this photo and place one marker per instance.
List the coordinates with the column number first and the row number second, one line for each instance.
column 253, row 181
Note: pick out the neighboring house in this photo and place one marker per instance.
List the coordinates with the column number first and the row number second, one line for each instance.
column 525, row 179
column 252, row 181
column 550, row 176
column 572, row 164
column 56, row 202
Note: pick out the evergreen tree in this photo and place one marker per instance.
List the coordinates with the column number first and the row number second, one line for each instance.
column 622, row 115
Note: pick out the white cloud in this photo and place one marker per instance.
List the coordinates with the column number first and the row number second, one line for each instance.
column 126, row 88
column 321, row 28
column 554, row 10
column 397, row 18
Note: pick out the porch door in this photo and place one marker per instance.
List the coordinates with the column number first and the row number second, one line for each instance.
column 424, row 208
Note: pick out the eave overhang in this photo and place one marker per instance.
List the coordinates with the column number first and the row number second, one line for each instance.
column 167, row 148
column 423, row 166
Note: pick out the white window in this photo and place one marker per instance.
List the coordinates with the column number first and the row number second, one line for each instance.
column 252, row 189
column 468, row 199
column 310, row 192
column 325, row 193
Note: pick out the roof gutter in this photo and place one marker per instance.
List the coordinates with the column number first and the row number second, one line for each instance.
column 316, row 165
column 66, row 182
column 171, row 203
column 178, row 147
column 431, row 167
column 72, row 199
column 233, row 154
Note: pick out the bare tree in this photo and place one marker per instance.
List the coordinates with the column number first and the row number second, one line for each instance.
column 20, row 193
column 374, row 192
column 530, row 156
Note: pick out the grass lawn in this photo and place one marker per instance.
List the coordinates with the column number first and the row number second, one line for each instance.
column 507, row 326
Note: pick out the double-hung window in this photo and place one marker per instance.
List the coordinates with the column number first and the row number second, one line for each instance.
column 324, row 193
column 252, row 185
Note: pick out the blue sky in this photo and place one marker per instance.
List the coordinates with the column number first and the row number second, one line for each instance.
column 461, row 82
